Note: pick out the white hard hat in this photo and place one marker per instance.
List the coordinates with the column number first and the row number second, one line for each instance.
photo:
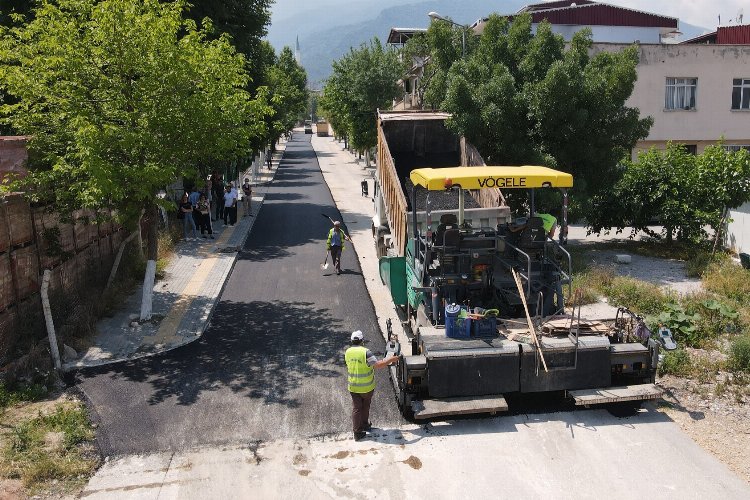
column 336, row 223
column 358, row 335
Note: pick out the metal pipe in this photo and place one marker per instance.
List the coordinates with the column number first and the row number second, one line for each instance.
column 564, row 229
column 414, row 223
column 461, row 199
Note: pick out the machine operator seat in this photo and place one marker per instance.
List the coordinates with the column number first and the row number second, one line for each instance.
column 533, row 235
column 447, row 222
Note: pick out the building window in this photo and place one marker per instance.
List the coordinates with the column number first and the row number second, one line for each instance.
column 736, row 147
column 741, row 93
column 680, row 93
column 691, row 149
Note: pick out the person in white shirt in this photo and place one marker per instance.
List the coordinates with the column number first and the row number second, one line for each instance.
column 230, row 205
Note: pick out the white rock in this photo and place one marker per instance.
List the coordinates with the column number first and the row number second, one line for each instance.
column 134, row 324
column 69, row 354
column 623, row 258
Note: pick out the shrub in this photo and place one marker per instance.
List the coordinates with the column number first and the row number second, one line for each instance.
column 739, row 354
column 700, row 261
column 682, row 325
column 677, row 363
column 638, row 296
column 728, row 280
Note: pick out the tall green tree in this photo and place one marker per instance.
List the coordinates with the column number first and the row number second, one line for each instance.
column 122, row 97
column 287, row 82
column 363, row 81
column 522, row 97
column 245, row 21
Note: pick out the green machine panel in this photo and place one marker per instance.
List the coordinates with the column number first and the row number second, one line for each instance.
column 393, row 274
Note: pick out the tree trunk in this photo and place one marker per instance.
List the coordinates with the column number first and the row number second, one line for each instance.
column 116, row 265
column 719, row 230
column 669, row 235
column 150, row 276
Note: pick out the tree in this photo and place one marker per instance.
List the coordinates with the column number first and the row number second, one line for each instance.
column 122, row 97
column 683, row 192
column 287, row 83
column 363, row 81
column 245, row 21
column 524, row 98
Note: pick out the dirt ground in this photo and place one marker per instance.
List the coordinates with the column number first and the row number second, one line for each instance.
column 716, row 416
column 719, row 423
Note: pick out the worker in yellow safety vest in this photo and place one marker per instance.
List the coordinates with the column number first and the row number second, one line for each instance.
column 361, row 364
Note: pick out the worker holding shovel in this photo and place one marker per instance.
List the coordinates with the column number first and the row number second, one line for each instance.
column 335, row 244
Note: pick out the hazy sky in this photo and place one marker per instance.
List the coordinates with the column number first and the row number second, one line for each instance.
column 700, row 12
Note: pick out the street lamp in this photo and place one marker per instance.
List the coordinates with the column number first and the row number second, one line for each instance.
column 437, row 17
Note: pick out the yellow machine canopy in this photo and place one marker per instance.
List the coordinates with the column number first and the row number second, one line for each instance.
column 523, row 177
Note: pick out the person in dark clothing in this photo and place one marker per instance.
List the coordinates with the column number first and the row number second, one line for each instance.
column 203, row 209
column 217, row 193
column 188, row 222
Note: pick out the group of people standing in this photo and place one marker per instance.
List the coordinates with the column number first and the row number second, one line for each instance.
column 195, row 207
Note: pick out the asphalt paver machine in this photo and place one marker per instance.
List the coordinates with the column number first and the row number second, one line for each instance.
column 485, row 303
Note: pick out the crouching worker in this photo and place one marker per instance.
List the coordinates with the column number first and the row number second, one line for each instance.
column 361, row 364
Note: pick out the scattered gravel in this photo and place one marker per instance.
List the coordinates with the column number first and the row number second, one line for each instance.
column 718, row 422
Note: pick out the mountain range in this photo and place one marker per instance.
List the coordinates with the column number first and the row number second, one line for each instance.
column 327, row 29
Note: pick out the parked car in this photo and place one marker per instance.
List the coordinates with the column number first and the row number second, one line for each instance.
column 308, row 127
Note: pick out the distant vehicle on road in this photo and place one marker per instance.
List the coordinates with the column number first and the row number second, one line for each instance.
column 322, row 128
column 308, row 127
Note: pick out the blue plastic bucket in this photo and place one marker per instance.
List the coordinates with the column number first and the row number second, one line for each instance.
column 451, row 314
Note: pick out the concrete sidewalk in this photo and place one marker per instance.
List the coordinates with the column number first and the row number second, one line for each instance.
column 184, row 300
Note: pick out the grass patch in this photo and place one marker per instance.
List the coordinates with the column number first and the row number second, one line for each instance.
column 739, row 354
column 592, row 281
column 20, row 394
column 698, row 263
column 729, row 280
column 638, row 296
column 676, row 363
column 49, row 450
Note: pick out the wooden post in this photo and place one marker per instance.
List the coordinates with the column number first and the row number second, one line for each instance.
column 528, row 318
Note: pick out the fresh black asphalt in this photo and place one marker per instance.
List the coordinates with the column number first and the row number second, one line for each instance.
column 270, row 365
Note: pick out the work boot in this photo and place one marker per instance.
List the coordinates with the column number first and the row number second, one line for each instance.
column 359, row 436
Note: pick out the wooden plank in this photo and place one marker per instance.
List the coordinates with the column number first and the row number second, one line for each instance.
column 432, row 408
column 640, row 392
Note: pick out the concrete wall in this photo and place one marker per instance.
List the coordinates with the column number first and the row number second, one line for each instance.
column 13, row 156
column 715, row 66
column 738, row 231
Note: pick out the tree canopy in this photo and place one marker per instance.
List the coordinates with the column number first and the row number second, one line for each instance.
column 245, row 21
column 682, row 192
column 121, row 97
column 363, row 81
column 287, row 83
column 522, row 97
